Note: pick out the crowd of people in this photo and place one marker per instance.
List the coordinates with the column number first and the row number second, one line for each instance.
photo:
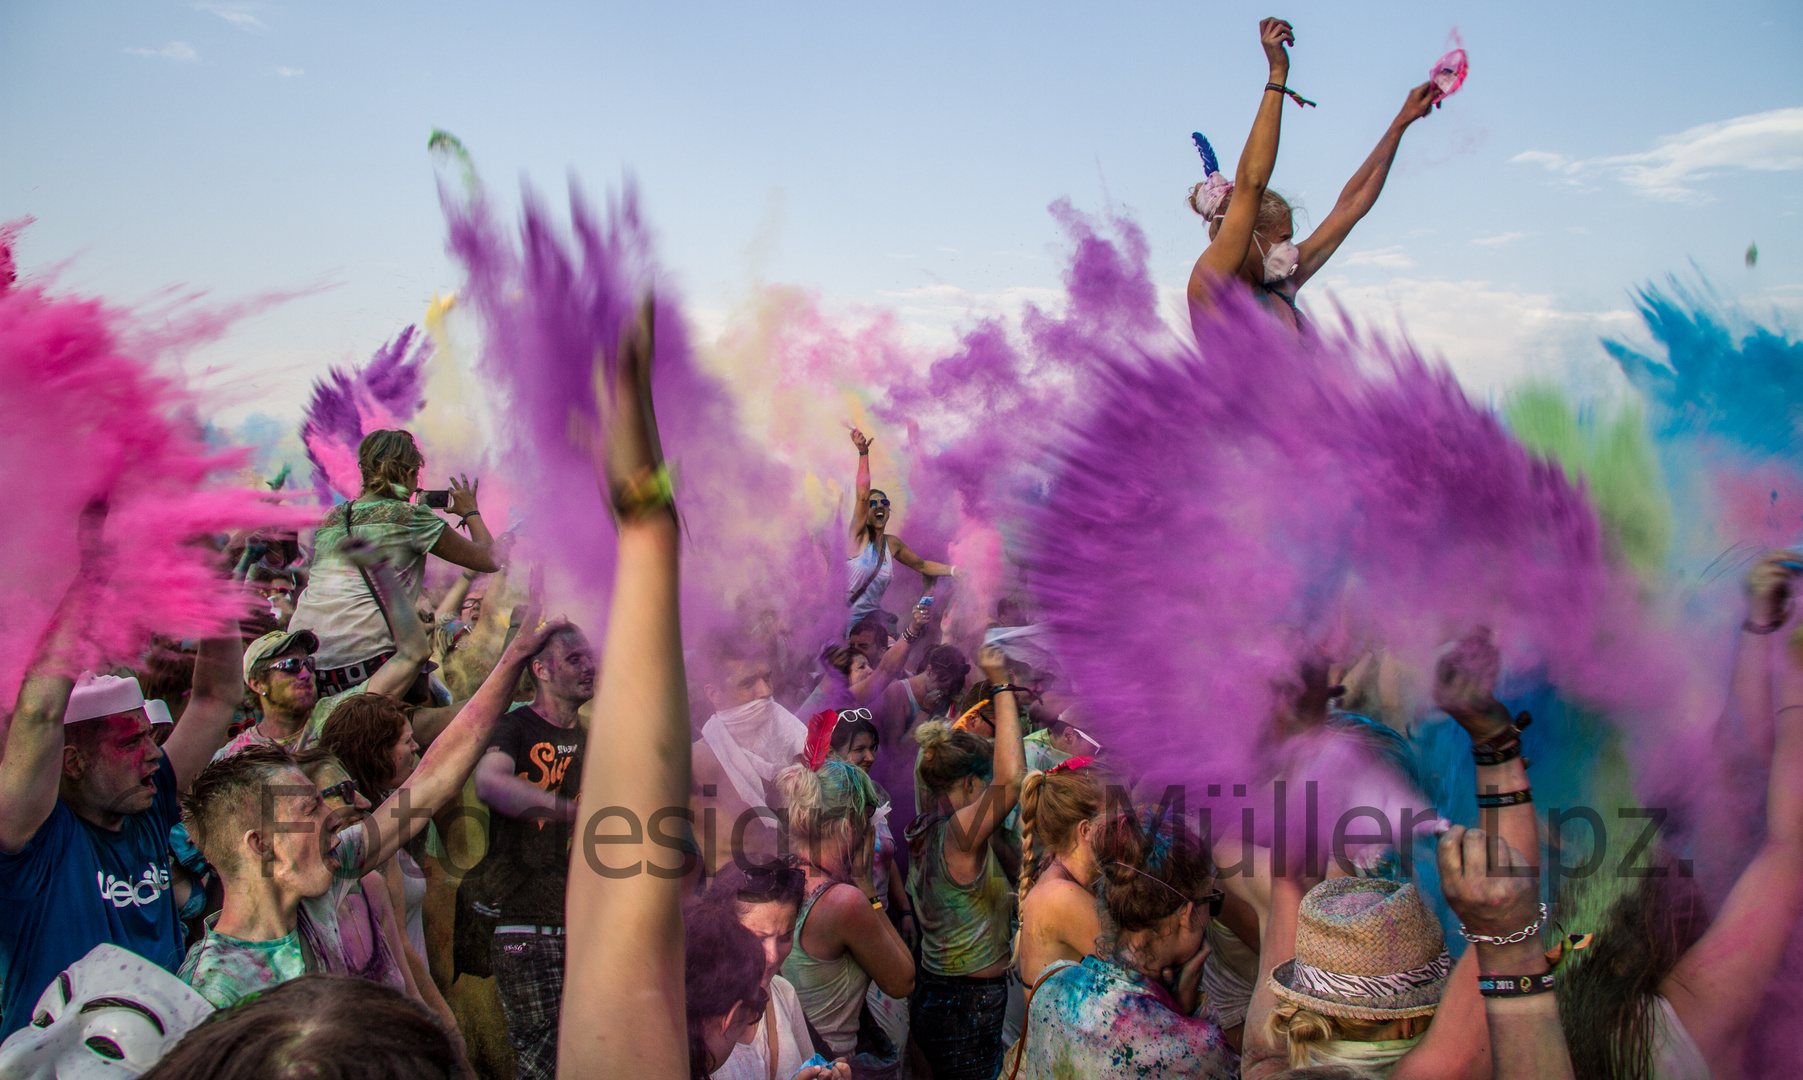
column 367, row 834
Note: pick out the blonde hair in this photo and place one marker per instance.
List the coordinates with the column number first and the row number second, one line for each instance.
column 948, row 756
column 1273, row 209
column 827, row 806
column 386, row 458
column 1308, row 1032
column 1052, row 805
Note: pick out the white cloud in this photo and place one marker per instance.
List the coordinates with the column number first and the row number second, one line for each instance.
column 179, row 51
column 1493, row 338
column 1762, row 142
column 240, row 15
column 1392, row 258
column 289, row 73
column 1498, row 240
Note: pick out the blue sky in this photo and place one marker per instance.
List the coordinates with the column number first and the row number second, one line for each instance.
column 900, row 155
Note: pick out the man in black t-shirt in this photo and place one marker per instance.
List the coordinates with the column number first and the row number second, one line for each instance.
column 529, row 777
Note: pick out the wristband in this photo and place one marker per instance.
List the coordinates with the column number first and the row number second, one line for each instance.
column 647, row 493
column 1505, row 798
column 1510, row 986
column 1282, row 89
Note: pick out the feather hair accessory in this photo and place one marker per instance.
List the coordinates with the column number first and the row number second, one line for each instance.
column 1212, row 193
column 820, row 738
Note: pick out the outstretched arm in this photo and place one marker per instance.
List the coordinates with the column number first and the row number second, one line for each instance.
column 1718, row 984
column 623, row 1011
column 213, row 699
column 972, row 826
column 860, row 507
column 31, row 757
column 1228, row 250
column 451, row 757
column 1361, row 192
column 926, row 568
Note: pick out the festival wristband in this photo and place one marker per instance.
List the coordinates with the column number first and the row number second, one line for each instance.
column 1282, row 89
column 1510, row 986
column 1505, row 798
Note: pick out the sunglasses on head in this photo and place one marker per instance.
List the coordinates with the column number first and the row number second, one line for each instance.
column 293, row 665
column 763, row 877
column 846, row 716
column 884, row 503
column 344, row 791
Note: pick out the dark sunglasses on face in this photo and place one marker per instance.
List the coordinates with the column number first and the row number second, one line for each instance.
column 344, row 791
column 293, row 665
column 884, row 503
column 1215, row 901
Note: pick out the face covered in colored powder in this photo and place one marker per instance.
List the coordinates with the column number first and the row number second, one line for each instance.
column 112, row 1014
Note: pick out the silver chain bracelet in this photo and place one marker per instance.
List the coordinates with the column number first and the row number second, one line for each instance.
column 1517, row 937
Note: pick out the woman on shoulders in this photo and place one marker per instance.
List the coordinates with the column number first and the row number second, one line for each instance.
column 873, row 553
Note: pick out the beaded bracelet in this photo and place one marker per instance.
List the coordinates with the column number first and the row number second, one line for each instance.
column 1509, row 986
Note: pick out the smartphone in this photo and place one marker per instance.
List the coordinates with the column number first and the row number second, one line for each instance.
column 437, row 500
column 925, row 602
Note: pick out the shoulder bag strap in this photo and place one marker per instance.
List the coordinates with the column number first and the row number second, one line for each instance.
column 770, row 1034
column 1020, row 1044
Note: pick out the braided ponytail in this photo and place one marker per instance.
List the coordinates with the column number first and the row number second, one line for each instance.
column 1052, row 805
column 1029, row 820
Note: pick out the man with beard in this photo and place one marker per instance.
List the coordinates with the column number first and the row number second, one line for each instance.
column 530, row 777
column 744, row 744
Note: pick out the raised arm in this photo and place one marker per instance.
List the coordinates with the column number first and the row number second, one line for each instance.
column 1717, row 985
column 890, row 666
column 972, row 826
column 473, row 553
column 1526, row 1040
column 623, row 1009
column 213, row 699
column 452, row 605
column 1227, row 251
column 31, row 755
column 1465, row 686
column 1361, row 192
column 448, row 761
column 860, row 507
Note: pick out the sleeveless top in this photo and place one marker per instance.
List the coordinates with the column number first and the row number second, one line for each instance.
column 831, row 991
column 1271, row 295
column 963, row 928
column 872, row 565
column 1675, row 1053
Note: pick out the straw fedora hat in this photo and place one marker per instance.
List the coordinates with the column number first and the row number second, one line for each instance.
column 1366, row 949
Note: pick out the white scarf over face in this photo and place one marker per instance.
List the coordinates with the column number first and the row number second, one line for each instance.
column 754, row 742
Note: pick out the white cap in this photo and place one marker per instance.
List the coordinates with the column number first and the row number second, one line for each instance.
column 95, row 696
column 157, row 711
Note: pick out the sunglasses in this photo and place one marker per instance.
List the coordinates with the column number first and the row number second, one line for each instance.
column 884, row 503
column 293, row 665
column 344, row 791
column 846, row 716
column 1215, row 900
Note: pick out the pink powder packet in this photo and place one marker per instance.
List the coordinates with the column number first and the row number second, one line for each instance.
column 1448, row 74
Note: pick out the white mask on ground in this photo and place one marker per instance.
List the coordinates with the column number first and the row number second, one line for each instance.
column 111, row 1014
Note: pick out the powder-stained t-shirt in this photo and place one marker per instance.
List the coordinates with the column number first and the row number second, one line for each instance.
column 225, row 970
column 533, row 853
column 1099, row 1018
column 304, row 739
column 75, row 885
column 337, row 604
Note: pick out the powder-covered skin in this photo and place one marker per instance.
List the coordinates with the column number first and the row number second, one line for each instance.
column 87, row 415
column 1099, row 1018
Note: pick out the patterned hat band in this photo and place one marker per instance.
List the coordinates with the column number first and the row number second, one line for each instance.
column 1372, row 988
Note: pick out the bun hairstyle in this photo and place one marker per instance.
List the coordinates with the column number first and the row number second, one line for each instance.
column 948, row 757
column 1152, row 863
column 1308, row 1032
column 1052, row 805
column 826, row 806
column 1273, row 209
column 386, row 458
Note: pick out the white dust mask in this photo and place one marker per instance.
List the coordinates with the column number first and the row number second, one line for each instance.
column 1281, row 259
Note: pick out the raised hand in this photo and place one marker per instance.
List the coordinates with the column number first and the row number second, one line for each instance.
column 1419, row 103
column 463, row 495
column 1274, row 34
column 1488, row 884
column 1465, row 686
column 861, row 441
column 632, row 469
column 993, row 663
column 1769, row 590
